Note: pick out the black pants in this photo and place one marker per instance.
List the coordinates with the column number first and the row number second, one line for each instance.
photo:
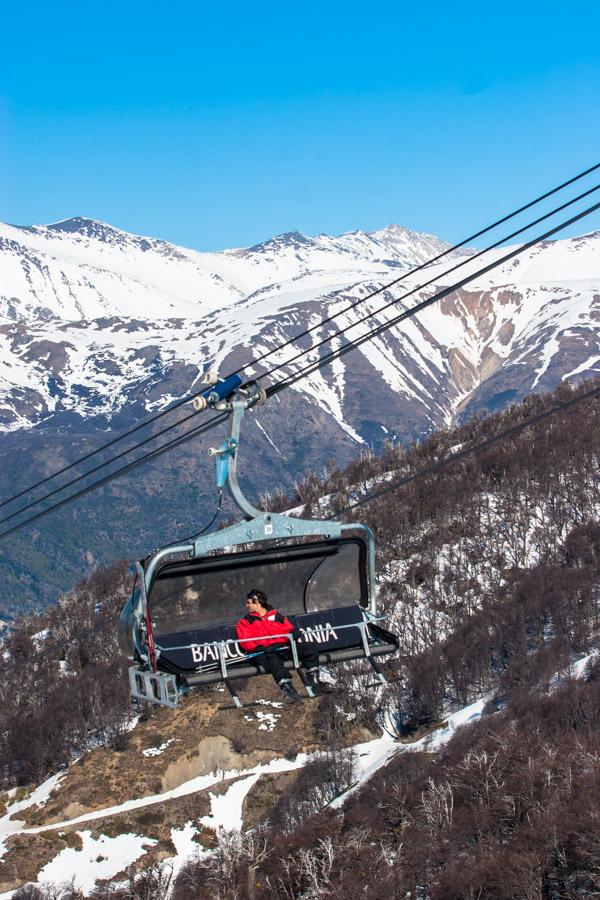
column 273, row 658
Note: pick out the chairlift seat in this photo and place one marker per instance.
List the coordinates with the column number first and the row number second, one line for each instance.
column 320, row 585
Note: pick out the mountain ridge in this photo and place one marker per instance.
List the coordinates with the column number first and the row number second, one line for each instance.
column 87, row 350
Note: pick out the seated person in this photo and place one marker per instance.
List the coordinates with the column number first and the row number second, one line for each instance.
column 258, row 630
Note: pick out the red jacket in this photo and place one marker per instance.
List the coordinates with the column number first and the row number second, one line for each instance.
column 260, row 629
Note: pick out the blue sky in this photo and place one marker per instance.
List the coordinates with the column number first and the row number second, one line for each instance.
column 220, row 125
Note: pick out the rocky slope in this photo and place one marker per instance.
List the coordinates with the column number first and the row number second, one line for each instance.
column 193, row 771
column 95, row 320
column 223, row 771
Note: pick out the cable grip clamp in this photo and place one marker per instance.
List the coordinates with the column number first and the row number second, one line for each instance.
column 224, row 454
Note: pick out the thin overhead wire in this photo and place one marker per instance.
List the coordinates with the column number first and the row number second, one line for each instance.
column 296, row 376
column 466, row 261
column 385, row 287
column 432, row 469
column 468, row 451
column 439, row 295
column 95, row 469
column 210, row 524
column 148, row 457
column 305, row 352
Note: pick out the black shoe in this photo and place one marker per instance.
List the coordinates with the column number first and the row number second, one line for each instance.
column 291, row 694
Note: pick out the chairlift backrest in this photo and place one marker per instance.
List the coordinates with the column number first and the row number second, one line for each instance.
column 298, row 579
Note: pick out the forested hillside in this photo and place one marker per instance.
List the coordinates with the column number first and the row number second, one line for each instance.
column 489, row 570
column 62, row 688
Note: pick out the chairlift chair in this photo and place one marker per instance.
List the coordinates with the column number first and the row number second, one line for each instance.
column 179, row 623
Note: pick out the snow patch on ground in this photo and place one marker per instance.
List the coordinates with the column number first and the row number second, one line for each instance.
column 578, row 668
column 200, row 783
column 186, row 848
column 375, row 754
column 40, row 637
column 156, row 751
column 102, row 857
column 267, row 721
column 226, row 809
column 9, row 825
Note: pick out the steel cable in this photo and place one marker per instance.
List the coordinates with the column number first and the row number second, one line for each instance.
column 296, row 376
column 341, row 351
column 305, row 352
column 280, row 347
column 462, row 454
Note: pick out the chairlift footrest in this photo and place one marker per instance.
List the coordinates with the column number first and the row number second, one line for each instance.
column 244, row 670
column 380, row 676
column 234, row 696
column 154, row 687
column 307, row 687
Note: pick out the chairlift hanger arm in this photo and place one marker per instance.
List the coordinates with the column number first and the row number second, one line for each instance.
column 236, row 403
column 226, row 458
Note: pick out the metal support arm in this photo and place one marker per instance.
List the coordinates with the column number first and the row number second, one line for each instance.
column 226, row 458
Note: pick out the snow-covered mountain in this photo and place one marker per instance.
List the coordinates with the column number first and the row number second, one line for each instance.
column 92, row 317
column 98, row 328
column 95, row 321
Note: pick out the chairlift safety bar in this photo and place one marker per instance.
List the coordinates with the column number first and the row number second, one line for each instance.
column 221, row 645
column 287, row 635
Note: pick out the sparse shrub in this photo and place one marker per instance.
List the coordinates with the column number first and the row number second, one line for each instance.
column 119, row 741
column 65, row 891
column 490, row 574
column 319, row 782
column 47, row 715
column 30, row 892
column 230, row 873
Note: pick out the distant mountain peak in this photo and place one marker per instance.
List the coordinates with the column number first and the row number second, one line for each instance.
column 91, row 315
column 293, row 239
column 400, row 231
column 82, row 225
column 393, row 228
column 95, row 230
